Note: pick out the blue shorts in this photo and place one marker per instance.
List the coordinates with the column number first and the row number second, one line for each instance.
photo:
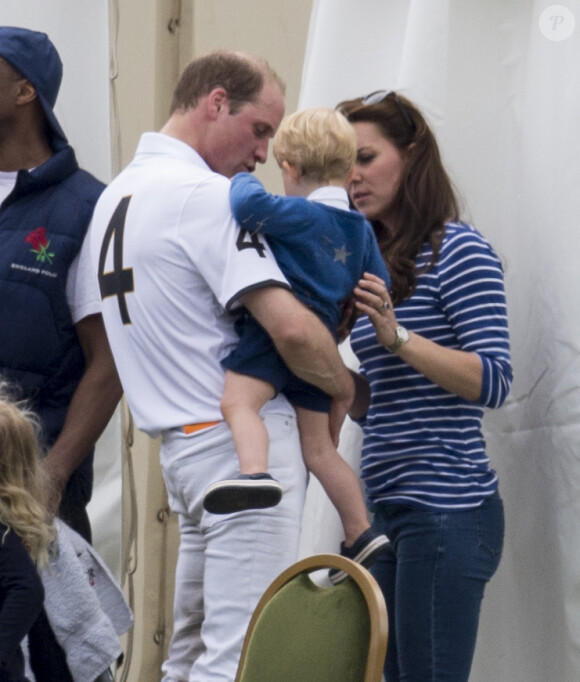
column 256, row 356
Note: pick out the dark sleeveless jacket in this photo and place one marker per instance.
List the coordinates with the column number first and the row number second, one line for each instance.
column 42, row 225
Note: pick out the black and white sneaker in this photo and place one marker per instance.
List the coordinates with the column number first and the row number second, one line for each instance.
column 365, row 550
column 246, row 491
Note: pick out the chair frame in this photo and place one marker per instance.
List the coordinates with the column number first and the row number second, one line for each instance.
column 368, row 586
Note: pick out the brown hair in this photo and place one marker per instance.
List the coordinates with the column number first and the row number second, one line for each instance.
column 241, row 76
column 23, row 487
column 425, row 199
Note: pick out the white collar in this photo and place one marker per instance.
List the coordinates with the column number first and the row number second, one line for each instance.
column 160, row 143
column 330, row 195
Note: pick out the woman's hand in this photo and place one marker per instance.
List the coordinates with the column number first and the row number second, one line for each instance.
column 457, row 371
column 372, row 299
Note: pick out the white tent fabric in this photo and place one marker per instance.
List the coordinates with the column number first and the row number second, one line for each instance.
column 499, row 82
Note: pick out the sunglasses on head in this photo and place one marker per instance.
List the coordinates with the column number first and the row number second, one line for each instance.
column 379, row 96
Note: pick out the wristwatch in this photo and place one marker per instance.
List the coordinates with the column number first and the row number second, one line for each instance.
column 401, row 338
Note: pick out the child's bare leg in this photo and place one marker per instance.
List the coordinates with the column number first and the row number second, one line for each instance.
column 243, row 398
column 335, row 475
column 362, row 543
column 253, row 488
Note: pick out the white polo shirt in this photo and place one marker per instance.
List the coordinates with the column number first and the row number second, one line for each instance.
column 170, row 264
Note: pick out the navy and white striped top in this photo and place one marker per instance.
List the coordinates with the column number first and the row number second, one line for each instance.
column 423, row 446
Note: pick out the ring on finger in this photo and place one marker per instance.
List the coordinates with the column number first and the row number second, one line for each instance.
column 386, row 305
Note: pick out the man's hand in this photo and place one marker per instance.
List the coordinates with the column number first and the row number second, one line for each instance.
column 338, row 411
column 90, row 409
column 56, row 483
column 350, row 314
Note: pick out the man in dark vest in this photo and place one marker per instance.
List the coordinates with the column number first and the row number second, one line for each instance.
column 53, row 348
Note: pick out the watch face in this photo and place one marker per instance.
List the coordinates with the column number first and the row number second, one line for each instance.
column 402, row 336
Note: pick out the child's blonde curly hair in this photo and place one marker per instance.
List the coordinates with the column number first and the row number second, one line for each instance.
column 23, row 484
column 320, row 141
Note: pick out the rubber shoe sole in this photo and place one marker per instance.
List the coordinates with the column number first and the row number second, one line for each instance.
column 367, row 555
column 227, row 497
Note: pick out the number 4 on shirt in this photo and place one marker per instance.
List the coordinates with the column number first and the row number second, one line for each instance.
column 250, row 240
column 119, row 281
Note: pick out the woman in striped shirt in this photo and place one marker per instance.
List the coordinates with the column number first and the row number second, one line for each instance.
column 433, row 352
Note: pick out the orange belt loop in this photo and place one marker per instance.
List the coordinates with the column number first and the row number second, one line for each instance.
column 192, row 428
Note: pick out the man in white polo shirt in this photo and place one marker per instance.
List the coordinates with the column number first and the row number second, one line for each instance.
column 172, row 266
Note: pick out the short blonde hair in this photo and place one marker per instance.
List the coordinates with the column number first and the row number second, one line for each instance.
column 320, row 141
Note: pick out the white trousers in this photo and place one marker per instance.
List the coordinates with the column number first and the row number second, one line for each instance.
column 225, row 563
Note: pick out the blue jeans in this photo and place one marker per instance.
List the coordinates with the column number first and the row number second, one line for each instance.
column 433, row 578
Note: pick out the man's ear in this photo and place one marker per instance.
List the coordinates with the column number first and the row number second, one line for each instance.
column 217, row 100
column 26, row 92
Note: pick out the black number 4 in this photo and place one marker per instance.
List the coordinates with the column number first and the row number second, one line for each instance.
column 119, row 281
column 250, row 240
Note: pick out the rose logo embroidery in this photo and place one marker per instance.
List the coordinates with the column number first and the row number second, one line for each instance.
column 37, row 239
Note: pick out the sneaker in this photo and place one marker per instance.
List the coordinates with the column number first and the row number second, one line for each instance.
column 365, row 550
column 246, row 491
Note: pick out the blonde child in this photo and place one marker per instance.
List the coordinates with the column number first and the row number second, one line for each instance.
column 25, row 533
column 323, row 248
